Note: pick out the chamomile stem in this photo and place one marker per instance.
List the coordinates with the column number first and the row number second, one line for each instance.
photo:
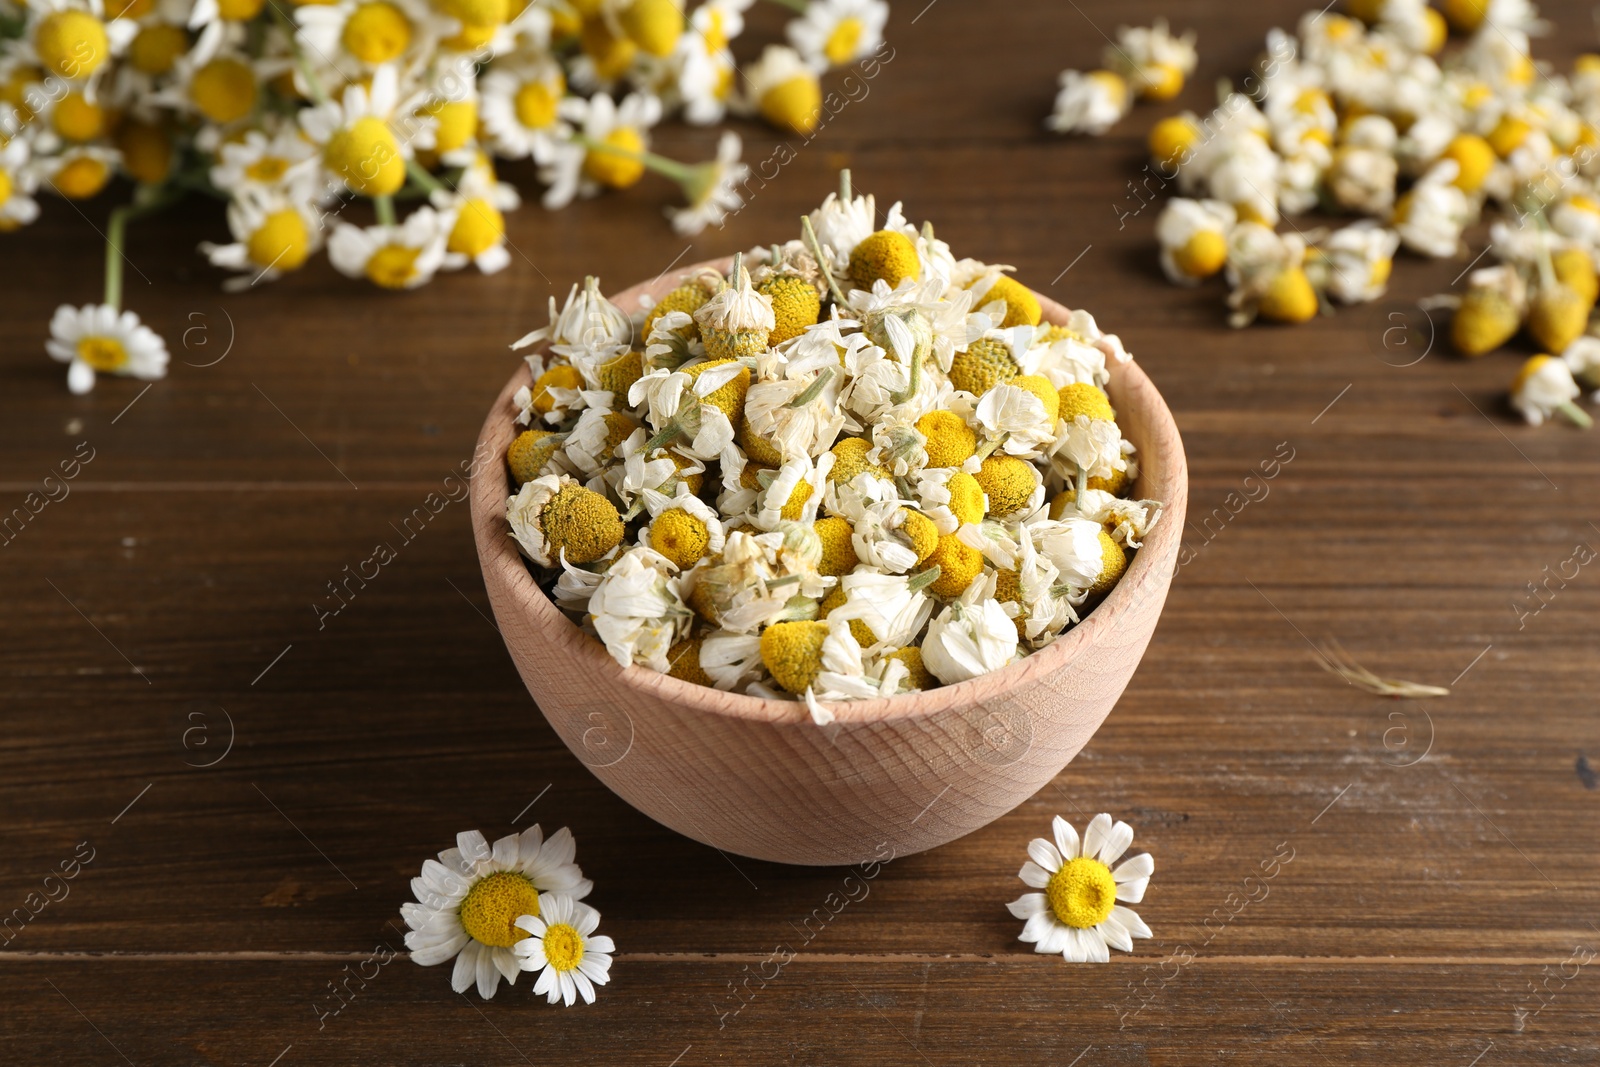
column 667, row 435
column 115, row 233
column 797, row 6
column 1083, row 486
column 813, row 390
column 420, row 175
column 383, row 206
column 318, row 94
column 844, row 184
column 810, row 235
column 671, row 168
column 1579, row 417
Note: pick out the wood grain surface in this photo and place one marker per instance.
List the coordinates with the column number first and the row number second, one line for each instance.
column 246, row 792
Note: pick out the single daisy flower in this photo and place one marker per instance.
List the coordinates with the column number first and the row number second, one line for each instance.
column 782, row 89
column 737, row 321
column 683, row 528
column 637, row 611
column 554, row 517
column 706, row 75
column 73, row 39
column 1490, row 312
column 1079, row 910
column 18, row 208
column 98, row 339
column 470, row 899
column 478, row 204
column 712, row 188
column 357, row 34
column 400, row 256
column 563, row 947
column 1544, row 387
column 357, row 137
column 836, row 33
column 1152, row 60
column 608, row 150
column 1268, row 274
column 1353, row 263
column 1431, row 215
column 259, row 159
column 520, row 107
column 1089, row 103
column 1194, row 238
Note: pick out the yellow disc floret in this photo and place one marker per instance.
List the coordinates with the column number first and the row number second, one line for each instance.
column 490, row 911
column 838, row 552
column 1008, row 590
column 1290, row 297
column 1022, row 307
column 618, row 375
column 1008, row 482
column 795, row 305
column 616, row 162
column 76, row 119
column 376, row 32
column 729, row 397
column 1113, row 563
column 71, row 43
column 681, row 537
column 157, row 47
column 479, row 227
column 1171, row 142
column 1202, row 255
column 580, row 522
column 966, row 498
column 528, row 454
column 921, row 531
column 1040, row 386
column 560, row 376
column 224, row 90
column 654, row 25
column 986, row 363
column 683, row 661
column 794, row 104
column 366, row 155
column 1575, row 269
column 888, row 255
column 393, row 266
column 1081, row 398
column 686, row 298
column 836, row 598
column 146, row 151
column 105, row 353
column 563, row 946
column 850, row 459
column 281, row 242
column 917, row 675
column 82, row 177
column 1485, row 320
column 1474, row 159
column 951, row 441
column 958, row 563
column 1557, row 316
column 1082, row 893
column 792, row 653
column 612, row 53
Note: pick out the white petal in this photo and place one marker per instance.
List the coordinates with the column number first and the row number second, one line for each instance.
column 505, row 853
column 1036, row 928
column 1072, row 948
column 1066, row 837
column 547, row 984
column 1134, row 868
column 506, row 962
column 1116, row 843
column 488, row 975
column 1129, row 918
column 1034, row 876
column 1116, row 934
column 427, row 957
column 466, row 967
column 80, row 377
column 585, row 987
column 1028, row 905
column 1095, row 944
column 1044, row 854
column 600, row 946
column 1132, row 892
column 1094, row 838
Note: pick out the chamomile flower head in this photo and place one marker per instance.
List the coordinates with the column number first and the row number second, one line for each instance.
column 1081, row 888
column 836, row 33
column 357, row 135
column 737, row 321
column 712, row 189
column 17, row 182
column 1431, row 216
column 1089, row 103
column 972, row 636
column 784, row 90
column 1194, row 238
column 562, row 946
column 608, row 152
column 1544, row 387
column 273, row 234
column 683, row 528
column 478, row 235
column 357, row 34
column 402, row 256
column 1353, row 263
column 470, row 899
column 520, row 107
column 98, row 339
column 1152, row 61
column 554, row 517
column 275, row 159
column 637, row 610
column 1490, row 311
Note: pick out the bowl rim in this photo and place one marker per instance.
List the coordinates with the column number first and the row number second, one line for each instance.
column 491, row 487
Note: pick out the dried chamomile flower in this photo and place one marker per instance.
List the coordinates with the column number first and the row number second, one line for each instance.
column 1353, row 263
column 1269, row 277
column 737, row 321
column 1152, row 61
column 683, row 528
column 1089, row 103
column 1194, row 238
column 970, row 637
column 553, row 517
column 1545, row 387
column 637, row 611
column 1490, row 312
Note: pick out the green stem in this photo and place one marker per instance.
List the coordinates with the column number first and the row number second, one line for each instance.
column 989, row 446
column 813, row 390
column 736, row 273
column 822, row 262
column 914, row 380
column 1580, row 418
column 922, row 579
column 384, row 206
column 666, row 436
column 114, row 237
column 420, row 175
column 844, row 184
column 671, row 168
column 1083, row 486
column 797, row 6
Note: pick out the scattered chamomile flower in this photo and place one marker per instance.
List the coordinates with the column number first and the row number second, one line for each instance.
column 478, row 235
column 554, row 517
column 1544, row 387
column 784, row 90
column 1089, row 103
column 274, row 233
column 470, row 900
column 1151, row 60
column 836, row 33
column 400, row 256
column 608, row 149
column 98, row 339
column 561, row 944
column 712, row 189
column 1194, row 238
column 1078, row 909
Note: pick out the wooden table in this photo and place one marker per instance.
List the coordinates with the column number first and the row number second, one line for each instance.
column 256, row 791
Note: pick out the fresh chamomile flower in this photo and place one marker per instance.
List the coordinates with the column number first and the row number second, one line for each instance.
column 217, row 81
column 273, row 234
column 478, row 236
column 553, row 517
column 77, row 173
column 17, row 182
column 357, row 136
column 259, row 159
column 1089, row 103
column 520, row 107
column 972, row 636
column 784, row 90
column 607, row 151
column 836, row 33
column 97, row 339
column 1545, row 386
column 470, row 898
column 1151, row 60
column 706, row 75
column 637, row 611
column 357, row 34
column 561, row 944
column 73, row 39
column 1079, row 910
column 1194, row 238
column 1353, row 263
column 712, row 188
column 401, row 256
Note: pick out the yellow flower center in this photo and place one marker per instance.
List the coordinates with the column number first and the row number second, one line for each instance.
column 240, row 10
column 1474, row 157
column 224, row 89
column 479, row 227
column 563, row 946
column 82, row 178
column 71, row 44
column 580, row 523
column 715, row 35
column 267, row 169
column 840, row 46
column 281, row 242
column 5, row 186
column 77, row 119
column 472, row 37
column 157, row 47
column 1289, row 297
column 1082, row 893
column 612, row 53
column 493, row 905
column 614, row 169
column 476, row 12
column 376, row 32
column 146, row 151
column 679, row 536
column 886, row 254
column 1160, row 81
column 457, row 121
column 392, row 266
column 367, row 156
column 792, row 653
column 102, row 353
column 795, row 104
column 536, row 103
column 654, row 25
column 1202, row 255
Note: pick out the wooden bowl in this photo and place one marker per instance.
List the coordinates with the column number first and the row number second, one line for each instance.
column 890, row 776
